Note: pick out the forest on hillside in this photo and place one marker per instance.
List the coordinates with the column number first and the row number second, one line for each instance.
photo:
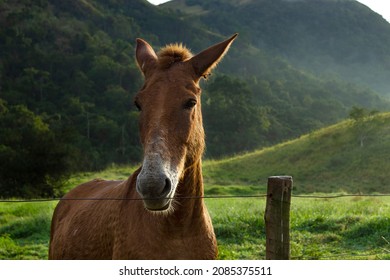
column 68, row 77
column 329, row 38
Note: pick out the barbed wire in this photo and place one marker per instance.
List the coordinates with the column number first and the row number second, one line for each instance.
column 187, row 197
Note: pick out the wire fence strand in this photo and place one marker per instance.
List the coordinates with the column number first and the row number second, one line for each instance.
column 188, row 197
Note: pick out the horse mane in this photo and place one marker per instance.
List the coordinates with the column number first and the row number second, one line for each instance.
column 171, row 54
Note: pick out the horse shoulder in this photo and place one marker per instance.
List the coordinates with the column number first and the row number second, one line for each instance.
column 84, row 219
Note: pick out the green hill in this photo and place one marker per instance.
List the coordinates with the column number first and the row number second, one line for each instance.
column 352, row 156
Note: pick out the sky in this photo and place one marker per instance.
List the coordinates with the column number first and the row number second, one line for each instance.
column 381, row 7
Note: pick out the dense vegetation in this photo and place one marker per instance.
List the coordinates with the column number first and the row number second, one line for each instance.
column 67, row 78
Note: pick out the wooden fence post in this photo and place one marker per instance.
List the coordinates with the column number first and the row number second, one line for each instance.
column 277, row 218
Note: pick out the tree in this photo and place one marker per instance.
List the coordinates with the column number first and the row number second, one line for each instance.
column 362, row 126
column 33, row 162
column 358, row 113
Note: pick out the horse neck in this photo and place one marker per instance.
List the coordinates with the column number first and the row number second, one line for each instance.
column 191, row 186
column 189, row 205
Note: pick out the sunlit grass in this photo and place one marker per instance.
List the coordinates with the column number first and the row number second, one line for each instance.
column 341, row 228
column 25, row 230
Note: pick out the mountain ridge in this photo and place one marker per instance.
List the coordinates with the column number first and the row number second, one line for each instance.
column 340, row 38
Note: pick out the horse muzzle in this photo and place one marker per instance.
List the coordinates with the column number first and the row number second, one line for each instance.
column 155, row 190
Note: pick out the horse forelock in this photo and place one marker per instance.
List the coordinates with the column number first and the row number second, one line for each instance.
column 173, row 53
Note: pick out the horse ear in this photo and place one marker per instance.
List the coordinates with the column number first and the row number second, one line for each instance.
column 145, row 55
column 206, row 60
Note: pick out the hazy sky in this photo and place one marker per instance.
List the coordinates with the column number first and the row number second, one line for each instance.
column 381, row 7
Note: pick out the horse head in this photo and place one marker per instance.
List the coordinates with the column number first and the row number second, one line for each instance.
column 170, row 120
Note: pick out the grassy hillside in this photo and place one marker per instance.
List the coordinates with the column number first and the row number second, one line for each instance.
column 348, row 157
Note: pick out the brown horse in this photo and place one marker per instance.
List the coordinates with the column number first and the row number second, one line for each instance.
column 150, row 215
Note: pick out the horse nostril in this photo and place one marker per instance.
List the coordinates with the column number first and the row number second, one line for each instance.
column 167, row 188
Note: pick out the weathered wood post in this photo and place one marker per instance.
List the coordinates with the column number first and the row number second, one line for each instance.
column 277, row 218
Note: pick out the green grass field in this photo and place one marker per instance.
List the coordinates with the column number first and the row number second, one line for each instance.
column 328, row 161
column 342, row 228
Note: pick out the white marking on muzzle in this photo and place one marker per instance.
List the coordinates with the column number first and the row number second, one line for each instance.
column 158, row 179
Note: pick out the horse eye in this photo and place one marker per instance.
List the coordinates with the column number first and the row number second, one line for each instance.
column 190, row 104
column 137, row 105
